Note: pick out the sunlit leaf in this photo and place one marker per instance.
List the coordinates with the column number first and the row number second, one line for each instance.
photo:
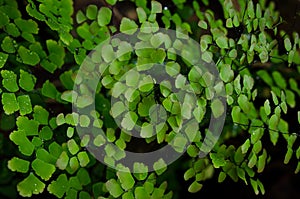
column 30, row 185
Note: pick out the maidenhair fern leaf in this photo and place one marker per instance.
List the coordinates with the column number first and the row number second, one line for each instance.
column 30, row 185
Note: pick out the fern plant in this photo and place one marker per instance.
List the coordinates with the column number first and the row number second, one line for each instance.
column 44, row 137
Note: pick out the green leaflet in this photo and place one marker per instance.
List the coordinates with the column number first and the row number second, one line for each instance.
column 40, row 115
column 28, row 57
column 104, row 16
column 217, row 160
column 9, row 81
column 59, row 186
column 24, row 104
column 142, row 16
column 114, row 188
column 3, row 58
column 128, row 26
column 222, row 42
column 62, row 161
column 83, row 158
column 30, row 127
column 195, row 187
column 72, row 146
column 287, row 44
column 30, row 185
column 19, row 165
column 43, row 169
column 217, row 108
column 91, row 12
column 9, row 102
column 49, row 90
column 126, row 179
column 27, row 81
column 156, row 7
column 45, row 43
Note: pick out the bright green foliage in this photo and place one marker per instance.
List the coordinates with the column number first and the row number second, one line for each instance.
column 62, row 161
column 30, row 185
column 114, row 188
column 40, row 115
column 59, row 186
column 28, row 57
column 3, row 58
column 19, row 165
column 55, row 58
column 128, row 26
column 83, row 158
column 9, row 102
column 9, row 81
column 24, row 104
column 104, row 16
column 195, row 187
column 49, row 90
column 20, row 139
column 30, row 127
column 73, row 147
column 126, row 180
column 44, row 44
column 43, row 169
column 160, row 167
column 26, row 81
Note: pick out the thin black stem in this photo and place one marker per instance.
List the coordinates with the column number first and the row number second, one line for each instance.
column 266, row 128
